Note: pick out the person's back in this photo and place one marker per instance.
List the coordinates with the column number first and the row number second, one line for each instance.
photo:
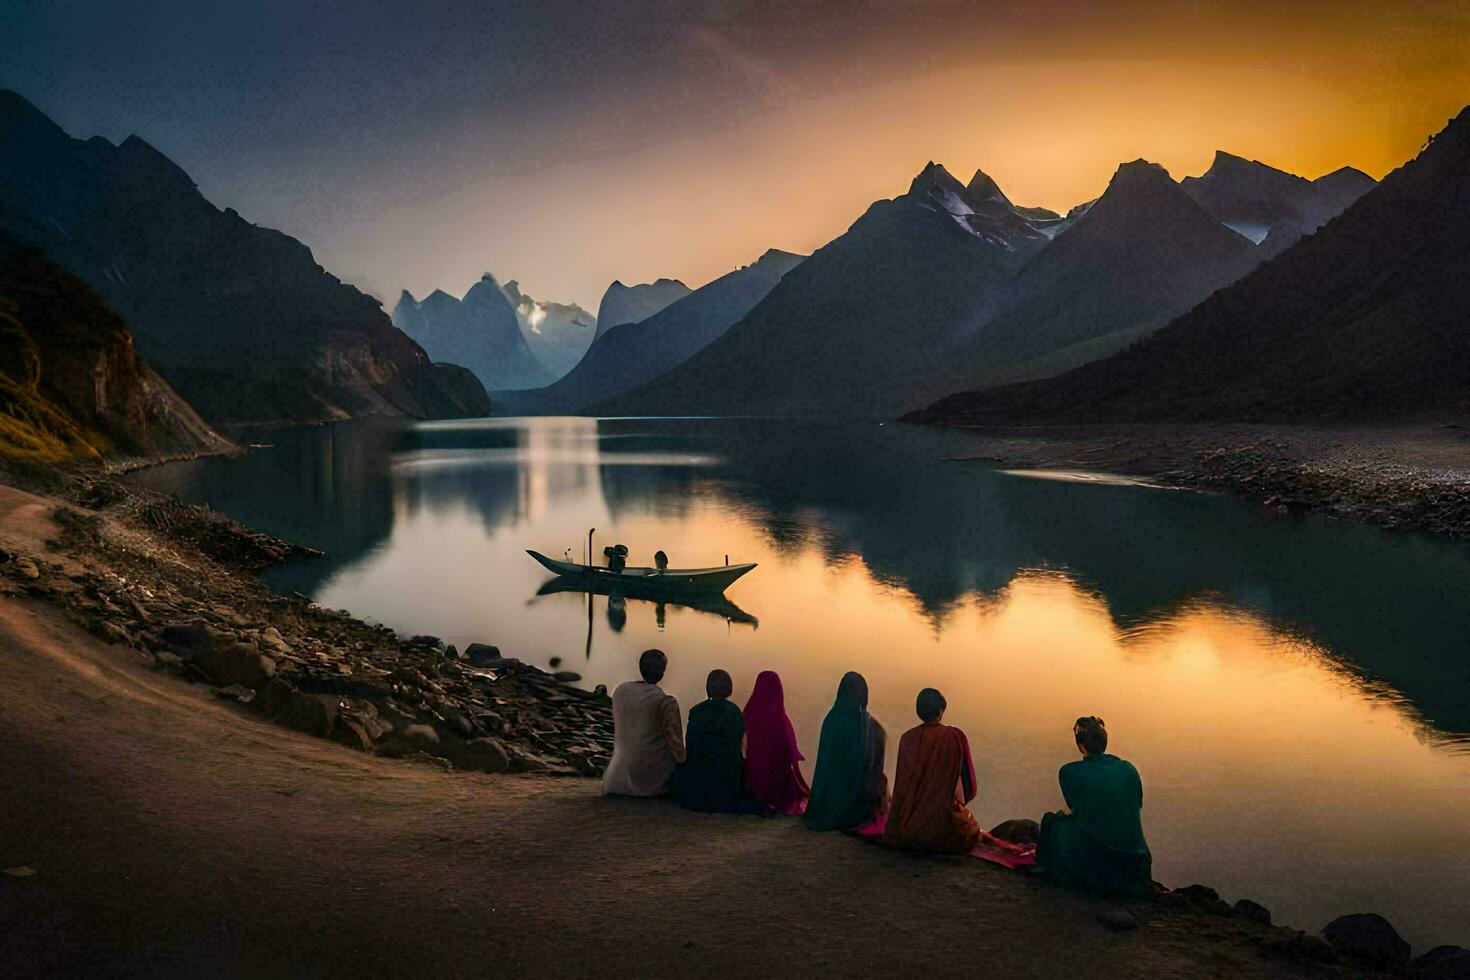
column 934, row 781
column 772, row 757
column 1098, row 845
column 1106, row 793
column 648, row 737
column 710, row 778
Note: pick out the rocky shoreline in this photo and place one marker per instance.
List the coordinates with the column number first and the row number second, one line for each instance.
column 172, row 583
column 1409, row 478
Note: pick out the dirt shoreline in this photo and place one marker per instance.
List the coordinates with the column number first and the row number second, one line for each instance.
column 1399, row 477
column 176, row 828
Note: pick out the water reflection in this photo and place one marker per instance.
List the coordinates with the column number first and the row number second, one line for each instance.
column 1290, row 688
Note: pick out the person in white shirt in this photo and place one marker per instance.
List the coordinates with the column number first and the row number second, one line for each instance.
column 648, row 733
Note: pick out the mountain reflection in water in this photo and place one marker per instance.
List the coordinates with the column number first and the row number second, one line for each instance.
column 1292, row 689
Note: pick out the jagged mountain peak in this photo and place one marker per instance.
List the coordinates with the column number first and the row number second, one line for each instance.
column 982, row 187
column 934, row 177
column 1139, row 171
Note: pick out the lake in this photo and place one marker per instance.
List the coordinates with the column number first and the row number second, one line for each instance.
column 1295, row 691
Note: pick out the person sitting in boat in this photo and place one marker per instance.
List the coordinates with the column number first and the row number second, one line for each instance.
column 661, row 561
column 1097, row 844
column 934, row 781
column 617, row 556
column 648, row 733
column 711, row 779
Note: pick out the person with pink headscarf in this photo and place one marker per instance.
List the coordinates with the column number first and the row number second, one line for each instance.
column 772, row 758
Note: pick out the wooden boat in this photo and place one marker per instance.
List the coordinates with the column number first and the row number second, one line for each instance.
column 713, row 603
column 651, row 583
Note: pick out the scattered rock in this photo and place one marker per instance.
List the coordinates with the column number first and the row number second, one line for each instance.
column 1252, row 912
column 1442, row 963
column 1017, row 831
column 27, row 569
column 237, row 663
column 1206, row 899
column 481, row 654
column 1368, row 938
column 1297, row 946
column 236, row 692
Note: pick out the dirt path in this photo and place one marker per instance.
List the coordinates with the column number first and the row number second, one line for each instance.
column 174, row 833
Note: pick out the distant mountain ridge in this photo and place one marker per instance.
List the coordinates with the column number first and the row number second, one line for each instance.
column 480, row 332
column 872, row 306
column 1365, row 319
column 240, row 319
column 71, row 381
column 630, row 304
column 637, row 353
column 1256, row 199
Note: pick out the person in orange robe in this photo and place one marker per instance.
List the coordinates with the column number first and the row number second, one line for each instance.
column 935, row 779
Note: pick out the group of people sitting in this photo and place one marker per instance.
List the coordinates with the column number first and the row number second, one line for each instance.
column 748, row 761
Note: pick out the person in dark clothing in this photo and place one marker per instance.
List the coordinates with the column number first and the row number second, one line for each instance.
column 712, row 777
column 1097, row 844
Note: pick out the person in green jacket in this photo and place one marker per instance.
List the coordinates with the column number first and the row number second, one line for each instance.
column 1097, row 843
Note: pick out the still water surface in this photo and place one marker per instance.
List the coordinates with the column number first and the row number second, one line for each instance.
column 1295, row 691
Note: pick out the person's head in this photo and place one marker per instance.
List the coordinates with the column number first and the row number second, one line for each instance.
column 652, row 665
column 855, row 687
column 768, row 691
column 1091, row 734
column 930, row 705
column 718, row 686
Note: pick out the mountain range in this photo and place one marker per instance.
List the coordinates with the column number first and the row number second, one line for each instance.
column 1365, row 319
column 71, row 380
column 1260, row 201
column 953, row 286
column 636, row 353
column 875, row 306
column 1138, row 256
column 630, row 304
column 480, row 331
column 240, row 319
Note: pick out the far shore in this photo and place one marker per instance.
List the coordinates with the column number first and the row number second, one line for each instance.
column 1404, row 477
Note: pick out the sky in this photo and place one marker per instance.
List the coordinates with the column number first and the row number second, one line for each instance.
column 565, row 145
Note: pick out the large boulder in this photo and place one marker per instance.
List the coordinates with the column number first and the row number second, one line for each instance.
column 1442, row 963
column 1017, row 831
column 1368, row 938
column 236, row 663
column 481, row 654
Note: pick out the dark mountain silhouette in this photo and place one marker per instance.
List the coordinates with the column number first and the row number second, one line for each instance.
column 1140, row 255
column 1363, row 319
column 480, row 332
column 630, row 304
column 637, row 353
column 558, row 333
column 872, row 307
column 240, row 319
column 1255, row 199
column 71, row 381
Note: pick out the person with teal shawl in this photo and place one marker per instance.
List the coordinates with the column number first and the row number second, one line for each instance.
column 849, row 788
column 1097, row 844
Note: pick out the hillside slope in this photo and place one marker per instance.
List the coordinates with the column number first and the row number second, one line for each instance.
column 71, row 381
column 240, row 319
